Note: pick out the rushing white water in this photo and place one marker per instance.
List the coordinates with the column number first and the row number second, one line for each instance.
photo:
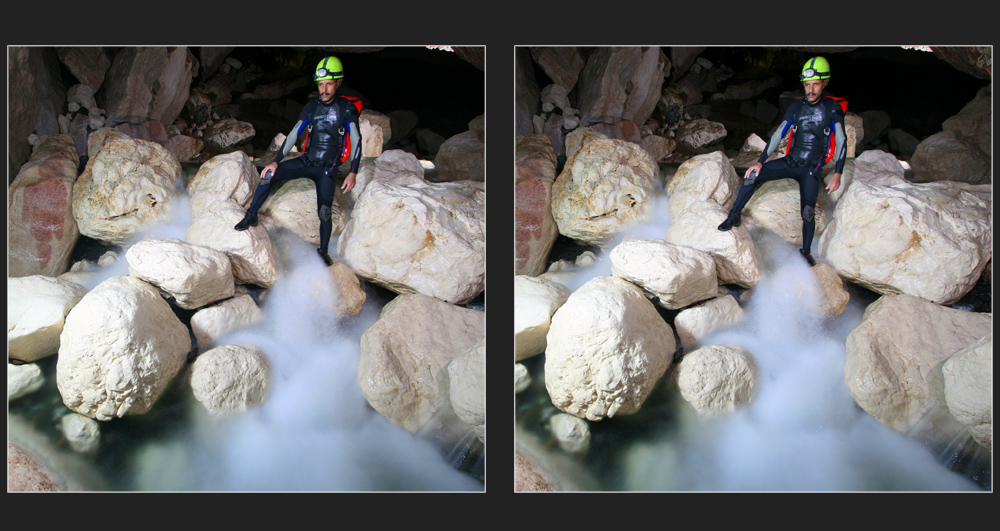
column 803, row 431
column 316, row 431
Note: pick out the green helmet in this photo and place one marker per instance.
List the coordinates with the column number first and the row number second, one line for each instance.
column 329, row 68
column 815, row 68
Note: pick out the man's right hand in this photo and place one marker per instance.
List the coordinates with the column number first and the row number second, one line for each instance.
column 756, row 167
column 270, row 167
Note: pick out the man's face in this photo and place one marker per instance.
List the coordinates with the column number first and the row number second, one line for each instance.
column 327, row 88
column 814, row 89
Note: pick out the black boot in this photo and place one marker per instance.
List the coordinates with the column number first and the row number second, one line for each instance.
column 249, row 220
column 325, row 256
column 808, row 256
column 732, row 220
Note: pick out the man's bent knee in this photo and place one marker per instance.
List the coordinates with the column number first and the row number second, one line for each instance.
column 325, row 213
column 807, row 213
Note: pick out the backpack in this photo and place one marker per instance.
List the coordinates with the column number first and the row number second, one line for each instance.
column 346, row 151
column 833, row 141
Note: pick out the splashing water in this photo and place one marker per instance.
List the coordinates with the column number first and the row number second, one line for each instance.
column 315, row 432
column 803, row 431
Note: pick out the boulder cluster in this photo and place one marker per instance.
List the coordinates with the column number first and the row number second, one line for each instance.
column 122, row 341
column 918, row 234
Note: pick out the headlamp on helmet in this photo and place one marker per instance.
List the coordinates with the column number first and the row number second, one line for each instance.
column 329, row 68
column 815, row 68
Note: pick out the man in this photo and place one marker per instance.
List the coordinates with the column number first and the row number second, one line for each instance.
column 813, row 120
column 328, row 122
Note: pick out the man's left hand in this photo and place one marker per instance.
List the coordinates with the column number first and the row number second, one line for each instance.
column 348, row 182
column 833, row 184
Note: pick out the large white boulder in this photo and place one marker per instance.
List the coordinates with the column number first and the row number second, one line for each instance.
column 535, row 300
column 403, row 370
column 679, row 276
column 929, row 240
column 777, row 206
column 126, row 185
column 734, row 251
column 231, row 378
column 968, row 388
column 708, row 177
column 605, row 186
column 607, row 348
column 120, row 347
column 467, row 388
column 37, row 306
column 293, row 207
column 717, row 378
column 23, row 379
column 250, row 252
column 894, row 358
column 418, row 237
column 193, row 275
column 230, row 177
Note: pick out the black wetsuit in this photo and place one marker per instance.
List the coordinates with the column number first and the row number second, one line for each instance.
column 327, row 125
column 812, row 126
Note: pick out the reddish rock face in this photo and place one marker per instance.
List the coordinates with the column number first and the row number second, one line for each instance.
column 534, row 228
column 41, row 230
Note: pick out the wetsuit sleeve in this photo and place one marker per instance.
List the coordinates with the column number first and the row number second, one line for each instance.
column 354, row 129
column 840, row 139
column 779, row 133
column 293, row 135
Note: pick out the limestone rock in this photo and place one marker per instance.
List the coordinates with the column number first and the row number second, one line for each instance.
column 404, row 357
column 733, row 250
column 392, row 165
column 606, row 348
column 833, row 297
column 708, row 177
column 894, row 358
column 228, row 177
column 375, row 129
column 250, row 252
column 461, row 157
column 679, row 276
column 27, row 474
column 36, row 312
column 561, row 63
column 535, row 229
column 701, row 132
column 605, row 186
column 120, row 347
column 975, row 120
column 194, row 275
column 229, row 133
column 777, row 206
column 535, row 300
column 82, row 433
column 126, row 185
column 130, row 81
column 293, row 207
column 968, row 388
column 696, row 322
column 951, row 156
column 419, row 237
column 212, row 322
column 467, row 388
column 930, row 240
column 522, row 380
column 231, row 378
column 717, row 378
column 23, row 379
column 352, row 297
column 41, row 229
column 573, row 433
